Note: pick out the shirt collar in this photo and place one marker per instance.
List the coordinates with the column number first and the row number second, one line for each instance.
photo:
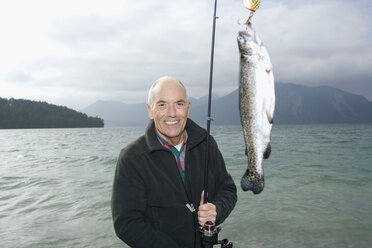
column 167, row 144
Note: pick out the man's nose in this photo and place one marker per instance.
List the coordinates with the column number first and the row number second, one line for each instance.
column 172, row 110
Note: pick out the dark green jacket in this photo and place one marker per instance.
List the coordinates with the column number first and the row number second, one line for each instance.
column 149, row 198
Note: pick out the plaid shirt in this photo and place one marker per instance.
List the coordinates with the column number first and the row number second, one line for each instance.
column 178, row 155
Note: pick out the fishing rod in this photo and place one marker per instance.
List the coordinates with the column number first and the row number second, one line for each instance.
column 209, row 118
column 208, row 232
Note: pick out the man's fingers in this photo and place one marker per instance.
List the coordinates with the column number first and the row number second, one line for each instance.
column 207, row 212
column 204, row 217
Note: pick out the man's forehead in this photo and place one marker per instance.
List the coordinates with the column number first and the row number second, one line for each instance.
column 162, row 98
column 167, row 90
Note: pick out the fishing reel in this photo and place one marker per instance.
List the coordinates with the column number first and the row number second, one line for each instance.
column 209, row 234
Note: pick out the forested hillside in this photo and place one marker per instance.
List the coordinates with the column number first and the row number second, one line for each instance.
column 19, row 113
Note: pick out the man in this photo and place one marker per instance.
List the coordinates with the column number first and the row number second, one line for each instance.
column 157, row 198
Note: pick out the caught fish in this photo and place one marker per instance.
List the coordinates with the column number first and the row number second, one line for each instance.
column 256, row 105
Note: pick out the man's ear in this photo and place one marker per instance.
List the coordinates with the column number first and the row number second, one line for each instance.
column 149, row 111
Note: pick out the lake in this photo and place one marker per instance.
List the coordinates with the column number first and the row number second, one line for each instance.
column 55, row 187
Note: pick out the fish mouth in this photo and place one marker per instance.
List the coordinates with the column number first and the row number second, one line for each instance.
column 255, row 187
column 249, row 35
column 249, row 32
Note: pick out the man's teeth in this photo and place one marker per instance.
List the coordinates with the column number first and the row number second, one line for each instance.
column 171, row 122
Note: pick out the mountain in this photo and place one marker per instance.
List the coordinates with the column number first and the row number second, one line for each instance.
column 116, row 113
column 225, row 111
column 300, row 104
column 295, row 104
column 19, row 113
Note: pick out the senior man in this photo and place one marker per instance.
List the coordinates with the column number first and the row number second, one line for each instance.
column 157, row 198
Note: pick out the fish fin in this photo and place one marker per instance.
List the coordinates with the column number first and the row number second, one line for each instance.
column 270, row 117
column 270, row 111
column 270, row 100
column 270, row 106
column 267, row 62
column 267, row 151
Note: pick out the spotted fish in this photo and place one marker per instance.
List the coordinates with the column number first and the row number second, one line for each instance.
column 256, row 105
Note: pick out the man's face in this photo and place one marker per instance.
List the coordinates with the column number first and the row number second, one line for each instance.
column 169, row 110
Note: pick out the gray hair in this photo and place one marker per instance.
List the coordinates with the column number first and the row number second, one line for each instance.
column 150, row 94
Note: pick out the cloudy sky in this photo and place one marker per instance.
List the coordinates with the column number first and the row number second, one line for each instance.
column 75, row 52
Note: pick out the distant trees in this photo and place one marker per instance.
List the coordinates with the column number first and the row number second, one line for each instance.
column 20, row 113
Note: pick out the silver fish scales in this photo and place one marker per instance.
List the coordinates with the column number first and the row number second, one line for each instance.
column 256, row 105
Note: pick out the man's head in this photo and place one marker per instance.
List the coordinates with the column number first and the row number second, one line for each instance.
column 168, row 105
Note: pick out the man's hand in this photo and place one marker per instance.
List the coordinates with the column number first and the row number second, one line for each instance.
column 207, row 212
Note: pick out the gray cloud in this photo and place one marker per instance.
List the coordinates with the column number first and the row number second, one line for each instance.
column 18, row 76
column 117, row 57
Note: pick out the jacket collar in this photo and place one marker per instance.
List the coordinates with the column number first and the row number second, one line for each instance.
column 195, row 134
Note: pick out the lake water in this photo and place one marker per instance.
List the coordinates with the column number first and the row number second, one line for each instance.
column 55, row 187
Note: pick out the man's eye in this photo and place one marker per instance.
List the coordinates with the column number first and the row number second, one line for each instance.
column 162, row 105
column 180, row 104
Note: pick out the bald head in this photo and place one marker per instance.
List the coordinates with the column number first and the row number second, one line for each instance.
column 164, row 82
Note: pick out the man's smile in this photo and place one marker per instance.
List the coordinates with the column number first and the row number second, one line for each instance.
column 171, row 122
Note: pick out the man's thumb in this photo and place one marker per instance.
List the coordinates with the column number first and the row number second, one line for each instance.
column 202, row 198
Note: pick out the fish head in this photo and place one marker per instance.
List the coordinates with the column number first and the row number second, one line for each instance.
column 248, row 41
